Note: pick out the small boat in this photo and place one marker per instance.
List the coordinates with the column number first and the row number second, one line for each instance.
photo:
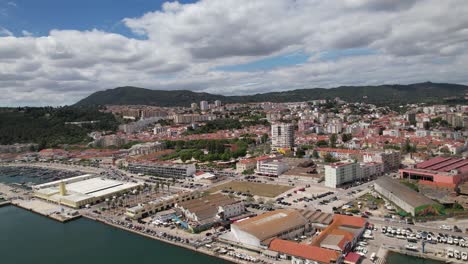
column 411, row 247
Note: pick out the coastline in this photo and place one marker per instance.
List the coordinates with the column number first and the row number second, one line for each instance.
column 205, row 252
column 416, row 254
column 5, row 203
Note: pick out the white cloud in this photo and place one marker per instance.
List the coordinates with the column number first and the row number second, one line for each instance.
column 26, row 33
column 409, row 41
column 5, row 32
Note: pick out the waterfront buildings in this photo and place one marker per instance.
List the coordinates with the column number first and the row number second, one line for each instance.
column 282, row 135
column 257, row 232
column 205, row 211
column 159, row 204
column 304, row 253
column 163, row 169
column 331, row 246
column 79, row 191
column 404, row 197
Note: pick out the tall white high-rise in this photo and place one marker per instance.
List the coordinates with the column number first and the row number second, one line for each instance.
column 282, row 135
column 204, row 105
column 218, row 103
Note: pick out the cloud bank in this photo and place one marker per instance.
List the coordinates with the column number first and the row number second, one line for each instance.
column 186, row 46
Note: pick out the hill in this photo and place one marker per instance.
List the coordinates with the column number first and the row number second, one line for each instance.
column 48, row 126
column 381, row 95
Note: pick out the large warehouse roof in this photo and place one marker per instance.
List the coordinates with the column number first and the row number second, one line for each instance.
column 406, row 194
column 270, row 224
column 442, row 164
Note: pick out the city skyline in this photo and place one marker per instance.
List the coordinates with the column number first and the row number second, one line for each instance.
column 51, row 55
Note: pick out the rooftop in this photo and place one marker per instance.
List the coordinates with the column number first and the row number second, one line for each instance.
column 411, row 197
column 318, row 254
column 442, row 164
column 270, row 224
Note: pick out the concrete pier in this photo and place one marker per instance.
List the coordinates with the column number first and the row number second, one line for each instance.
column 52, row 211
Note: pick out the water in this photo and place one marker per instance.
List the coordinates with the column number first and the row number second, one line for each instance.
column 395, row 258
column 33, row 175
column 29, row 238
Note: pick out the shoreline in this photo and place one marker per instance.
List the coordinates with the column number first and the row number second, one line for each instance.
column 418, row 254
column 204, row 252
column 5, row 203
column 208, row 253
column 50, row 216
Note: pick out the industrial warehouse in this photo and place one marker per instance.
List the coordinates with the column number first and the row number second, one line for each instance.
column 80, row 191
column 404, row 197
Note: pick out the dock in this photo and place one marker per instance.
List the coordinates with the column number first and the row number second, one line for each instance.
column 5, row 203
column 52, row 211
column 428, row 255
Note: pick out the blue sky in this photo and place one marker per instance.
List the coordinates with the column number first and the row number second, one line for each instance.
column 40, row 16
column 73, row 48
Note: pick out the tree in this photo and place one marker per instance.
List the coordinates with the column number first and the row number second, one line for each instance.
column 408, row 147
column 321, row 143
column 264, row 138
column 333, row 139
column 300, row 153
column 329, row 158
column 346, row 137
column 315, row 154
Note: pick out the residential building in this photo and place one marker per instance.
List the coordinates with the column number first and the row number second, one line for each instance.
column 146, row 148
column 371, row 169
column 391, row 159
column 339, row 173
column 245, row 164
column 218, row 103
column 282, row 135
column 204, row 105
column 192, row 118
column 163, row 169
column 391, row 132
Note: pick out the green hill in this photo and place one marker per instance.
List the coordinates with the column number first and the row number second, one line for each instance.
column 381, row 95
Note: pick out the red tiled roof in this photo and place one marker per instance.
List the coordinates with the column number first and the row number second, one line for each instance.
column 347, row 220
column 352, row 257
column 349, row 151
column 444, row 164
column 304, row 251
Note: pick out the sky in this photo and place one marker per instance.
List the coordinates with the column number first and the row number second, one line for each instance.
column 56, row 52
